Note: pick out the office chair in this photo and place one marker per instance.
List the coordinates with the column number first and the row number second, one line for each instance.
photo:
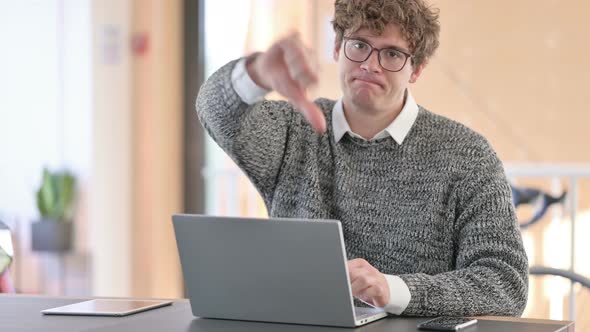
column 542, row 270
column 541, row 202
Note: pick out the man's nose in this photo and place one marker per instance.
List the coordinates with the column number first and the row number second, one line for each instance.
column 372, row 62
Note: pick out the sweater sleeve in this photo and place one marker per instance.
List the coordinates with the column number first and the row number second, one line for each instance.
column 254, row 136
column 491, row 267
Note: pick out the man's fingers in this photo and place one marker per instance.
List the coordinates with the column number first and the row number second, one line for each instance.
column 359, row 285
column 300, row 64
column 291, row 68
column 299, row 61
column 357, row 262
column 371, row 292
column 310, row 110
column 366, row 293
column 376, row 296
column 354, row 272
column 313, row 115
column 356, row 268
column 367, row 283
column 301, row 73
column 373, row 296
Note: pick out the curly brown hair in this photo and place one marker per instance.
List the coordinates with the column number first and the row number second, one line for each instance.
column 418, row 22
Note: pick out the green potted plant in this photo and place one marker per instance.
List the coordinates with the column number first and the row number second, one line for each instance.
column 55, row 201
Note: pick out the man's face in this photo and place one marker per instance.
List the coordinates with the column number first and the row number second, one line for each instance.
column 369, row 87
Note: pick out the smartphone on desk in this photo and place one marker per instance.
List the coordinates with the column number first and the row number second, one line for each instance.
column 447, row 324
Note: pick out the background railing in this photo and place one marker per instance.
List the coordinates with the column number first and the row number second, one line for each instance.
column 561, row 177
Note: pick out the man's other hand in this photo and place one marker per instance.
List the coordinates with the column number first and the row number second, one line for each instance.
column 287, row 67
column 368, row 284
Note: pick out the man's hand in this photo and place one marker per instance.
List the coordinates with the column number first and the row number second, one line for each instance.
column 287, row 68
column 368, row 284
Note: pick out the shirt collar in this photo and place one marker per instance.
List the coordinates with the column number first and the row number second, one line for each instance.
column 398, row 129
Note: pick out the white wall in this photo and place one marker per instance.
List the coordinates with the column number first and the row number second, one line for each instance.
column 30, row 115
column 65, row 102
column 45, row 111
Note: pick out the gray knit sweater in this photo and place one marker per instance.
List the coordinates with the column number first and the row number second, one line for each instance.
column 436, row 210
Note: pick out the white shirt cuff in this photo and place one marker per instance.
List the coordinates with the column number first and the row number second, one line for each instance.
column 244, row 86
column 399, row 295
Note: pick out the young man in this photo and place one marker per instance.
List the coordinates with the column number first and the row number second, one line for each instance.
column 424, row 202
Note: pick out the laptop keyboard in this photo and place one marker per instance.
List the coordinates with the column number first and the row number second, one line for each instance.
column 362, row 312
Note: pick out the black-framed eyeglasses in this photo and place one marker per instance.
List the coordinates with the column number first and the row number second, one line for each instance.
column 391, row 59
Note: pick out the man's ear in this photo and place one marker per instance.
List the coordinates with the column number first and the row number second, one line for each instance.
column 417, row 71
column 336, row 50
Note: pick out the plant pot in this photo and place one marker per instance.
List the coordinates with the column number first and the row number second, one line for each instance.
column 51, row 235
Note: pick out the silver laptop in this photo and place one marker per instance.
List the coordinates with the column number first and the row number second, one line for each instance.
column 271, row 270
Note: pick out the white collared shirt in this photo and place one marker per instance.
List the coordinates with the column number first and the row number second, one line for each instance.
column 250, row 93
column 398, row 129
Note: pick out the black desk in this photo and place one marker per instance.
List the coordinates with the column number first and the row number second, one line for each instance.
column 22, row 313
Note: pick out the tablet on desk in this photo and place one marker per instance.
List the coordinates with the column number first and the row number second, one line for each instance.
column 106, row 307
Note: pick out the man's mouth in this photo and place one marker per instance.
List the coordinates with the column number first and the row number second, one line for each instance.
column 368, row 80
